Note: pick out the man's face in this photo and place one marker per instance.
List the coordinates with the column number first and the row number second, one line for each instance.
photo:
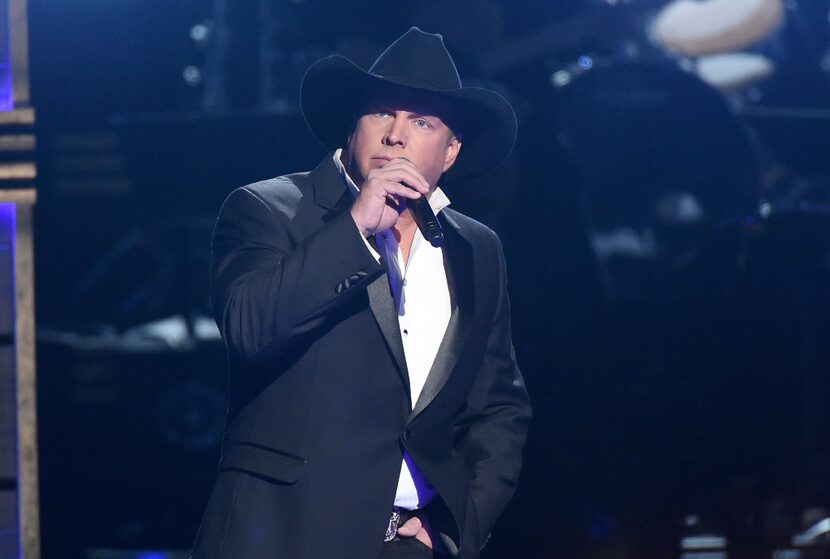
column 388, row 130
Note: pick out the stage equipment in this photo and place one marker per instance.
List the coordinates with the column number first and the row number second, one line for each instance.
column 733, row 71
column 695, row 28
column 818, row 533
column 749, row 345
column 778, row 46
column 613, row 23
column 713, row 31
column 799, row 137
column 134, row 376
column 134, row 422
column 19, row 491
column 150, row 250
column 755, row 322
column 811, row 543
column 650, row 193
column 253, row 53
column 700, row 541
column 148, row 274
column 663, row 162
column 235, row 148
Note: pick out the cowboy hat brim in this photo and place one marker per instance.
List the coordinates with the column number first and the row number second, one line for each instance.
column 334, row 90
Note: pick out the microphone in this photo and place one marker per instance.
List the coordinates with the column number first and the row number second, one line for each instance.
column 425, row 218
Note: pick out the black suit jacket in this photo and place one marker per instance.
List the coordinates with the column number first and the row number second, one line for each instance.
column 319, row 410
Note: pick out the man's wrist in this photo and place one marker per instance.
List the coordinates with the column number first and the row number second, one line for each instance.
column 363, row 231
column 366, row 235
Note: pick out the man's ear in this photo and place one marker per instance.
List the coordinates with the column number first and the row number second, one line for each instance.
column 451, row 153
column 346, row 147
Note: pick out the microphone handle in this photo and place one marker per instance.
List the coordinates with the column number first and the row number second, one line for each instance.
column 425, row 218
column 427, row 222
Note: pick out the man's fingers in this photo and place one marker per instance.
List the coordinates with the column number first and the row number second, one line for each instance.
column 415, row 527
column 387, row 187
column 411, row 181
column 423, row 535
column 402, row 171
column 397, row 189
column 410, row 527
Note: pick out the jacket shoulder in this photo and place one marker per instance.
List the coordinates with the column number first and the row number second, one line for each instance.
column 470, row 228
column 279, row 194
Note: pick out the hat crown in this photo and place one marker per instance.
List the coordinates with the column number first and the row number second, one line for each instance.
column 418, row 59
column 416, row 67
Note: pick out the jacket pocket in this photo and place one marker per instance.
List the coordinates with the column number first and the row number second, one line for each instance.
column 260, row 460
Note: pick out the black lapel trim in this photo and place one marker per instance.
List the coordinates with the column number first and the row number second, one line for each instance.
column 331, row 193
column 386, row 315
column 458, row 263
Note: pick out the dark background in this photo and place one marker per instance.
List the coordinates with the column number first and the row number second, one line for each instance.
column 685, row 376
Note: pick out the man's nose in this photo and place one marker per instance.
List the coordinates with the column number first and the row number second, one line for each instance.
column 396, row 133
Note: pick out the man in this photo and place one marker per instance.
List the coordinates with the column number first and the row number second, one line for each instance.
column 376, row 409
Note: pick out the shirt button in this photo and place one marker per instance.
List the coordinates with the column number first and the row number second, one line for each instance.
column 404, row 282
column 405, row 332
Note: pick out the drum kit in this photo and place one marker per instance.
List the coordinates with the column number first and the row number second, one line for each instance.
column 715, row 32
column 712, row 113
column 703, row 147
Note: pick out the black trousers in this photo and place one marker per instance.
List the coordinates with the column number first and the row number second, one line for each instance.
column 406, row 548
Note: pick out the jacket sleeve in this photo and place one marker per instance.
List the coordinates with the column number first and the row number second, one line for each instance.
column 270, row 283
column 497, row 418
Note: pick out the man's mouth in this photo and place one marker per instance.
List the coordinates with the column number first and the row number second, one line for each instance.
column 382, row 160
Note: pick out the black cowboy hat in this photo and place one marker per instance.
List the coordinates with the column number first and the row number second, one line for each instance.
column 417, row 65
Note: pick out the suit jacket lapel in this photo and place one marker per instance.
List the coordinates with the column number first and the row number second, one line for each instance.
column 458, row 263
column 331, row 193
column 386, row 315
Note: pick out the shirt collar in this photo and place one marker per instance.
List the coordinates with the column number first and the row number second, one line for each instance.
column 437, row 200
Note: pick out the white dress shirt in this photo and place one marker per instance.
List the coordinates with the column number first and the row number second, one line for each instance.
column 422, row 297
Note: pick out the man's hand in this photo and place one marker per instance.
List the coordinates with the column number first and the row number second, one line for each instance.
column 418, row 528
column 383, row 196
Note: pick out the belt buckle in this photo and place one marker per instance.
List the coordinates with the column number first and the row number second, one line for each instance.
column 392, row 528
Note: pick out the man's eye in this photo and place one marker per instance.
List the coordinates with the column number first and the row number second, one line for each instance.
column 422, row 123
column 382, row 114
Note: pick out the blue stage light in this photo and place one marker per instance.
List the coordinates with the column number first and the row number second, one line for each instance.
column 586, row 62
column 6, row 88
